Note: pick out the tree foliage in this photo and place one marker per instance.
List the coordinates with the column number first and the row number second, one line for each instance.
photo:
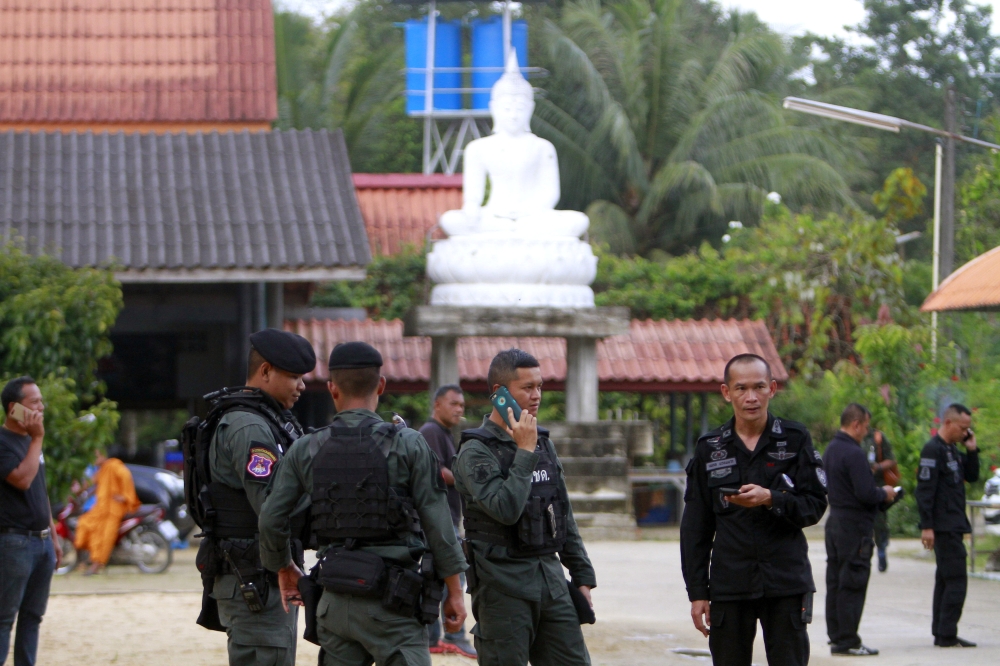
column 54, row 326
column 394, row 284
column 978, row 221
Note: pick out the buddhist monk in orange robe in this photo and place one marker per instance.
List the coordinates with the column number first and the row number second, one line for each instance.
column 97, row 530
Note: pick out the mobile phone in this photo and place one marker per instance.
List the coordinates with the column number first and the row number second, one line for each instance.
column 19, row 412
column 730, row 491
column 969, row 435
column 502, row 400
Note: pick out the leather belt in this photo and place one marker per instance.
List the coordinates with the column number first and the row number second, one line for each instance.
column 43, row 534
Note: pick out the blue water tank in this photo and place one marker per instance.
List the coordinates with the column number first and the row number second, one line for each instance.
column 487, row 51
column 448, row 53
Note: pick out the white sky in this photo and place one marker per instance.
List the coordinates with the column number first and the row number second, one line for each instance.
column 791, row 17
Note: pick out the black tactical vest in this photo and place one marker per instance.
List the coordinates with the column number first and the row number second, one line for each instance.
column 351, row 497
column 541, row 529
column 228, row 512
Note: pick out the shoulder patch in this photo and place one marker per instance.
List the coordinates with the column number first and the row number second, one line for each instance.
column 928, row 462
column 482, row 472
column 261, row 461
column 925, row 474
column 776, row 428
column 821, row 475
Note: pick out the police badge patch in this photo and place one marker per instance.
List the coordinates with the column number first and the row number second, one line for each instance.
column 481, row 473
column 782, row 454
column 261, row 463
column 719, row 455
column 925, row 473
column 821, row 475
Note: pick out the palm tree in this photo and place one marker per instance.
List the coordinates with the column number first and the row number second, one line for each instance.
column 663, row 143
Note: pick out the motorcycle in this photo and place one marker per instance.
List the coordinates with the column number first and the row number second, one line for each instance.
column 991, row 493
column 143, row 537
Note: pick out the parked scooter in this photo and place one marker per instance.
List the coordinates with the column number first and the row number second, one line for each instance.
column 142, row 537
column 991, row 493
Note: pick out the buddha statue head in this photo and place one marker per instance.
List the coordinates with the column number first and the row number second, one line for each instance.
column 512, row 100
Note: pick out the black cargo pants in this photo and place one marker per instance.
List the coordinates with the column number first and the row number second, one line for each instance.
column 950, row 583
column 848, row 568
column 734, row 627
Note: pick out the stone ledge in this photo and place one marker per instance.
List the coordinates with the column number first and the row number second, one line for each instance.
column 606, row 526
column 453, row 321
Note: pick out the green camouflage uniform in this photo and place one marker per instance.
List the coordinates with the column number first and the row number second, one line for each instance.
column 522, row 608
column 267, row 638
column 356, row 631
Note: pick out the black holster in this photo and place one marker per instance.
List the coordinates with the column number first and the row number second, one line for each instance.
column 208, row 565
column 471, row 577
column 431, row 592
column 310, row 590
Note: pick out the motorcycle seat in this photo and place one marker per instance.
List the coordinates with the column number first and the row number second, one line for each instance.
column 143, row 511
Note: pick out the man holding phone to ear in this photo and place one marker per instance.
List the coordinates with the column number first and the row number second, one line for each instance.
column 944, row 471
column 520, row 530
column 27, row 550
column 752, row 485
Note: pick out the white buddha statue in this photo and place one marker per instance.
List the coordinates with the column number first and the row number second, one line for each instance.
column 523, row 173
column 516, row 249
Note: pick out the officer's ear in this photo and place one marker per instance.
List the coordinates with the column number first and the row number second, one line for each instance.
column 264, row 371
column 381, row 385
column 495, row 387
column 724, row 388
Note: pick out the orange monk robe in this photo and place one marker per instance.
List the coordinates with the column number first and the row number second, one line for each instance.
column 97, row 530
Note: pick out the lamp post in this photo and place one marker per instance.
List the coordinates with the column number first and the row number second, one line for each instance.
column 893, row 124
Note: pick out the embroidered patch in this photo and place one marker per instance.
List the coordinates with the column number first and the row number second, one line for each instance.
column 953, row 465
column 719, row 455
column 781, row 443
column 720, row 473
column 818, row 457
column 781, row 454
column 727, row 433
column 821, row 475
column 718, row 464
column 787, row 479
column 713, row 440
column 776, row 428
column 261, row 462
column 925, row 474
column 481, row 473
column 928, row 462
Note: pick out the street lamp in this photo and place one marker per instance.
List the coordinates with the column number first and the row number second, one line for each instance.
column 893, row 124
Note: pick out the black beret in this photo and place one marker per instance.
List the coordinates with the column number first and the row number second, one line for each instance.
column 350, row 355
column 287, row 351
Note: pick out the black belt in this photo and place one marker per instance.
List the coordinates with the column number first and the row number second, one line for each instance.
column 43, row 534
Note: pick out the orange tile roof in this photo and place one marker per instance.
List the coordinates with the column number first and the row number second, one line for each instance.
column 974, row 286
column 120, row 61
column 655, row 356
column 402, row 208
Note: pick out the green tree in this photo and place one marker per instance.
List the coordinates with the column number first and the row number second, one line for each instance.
column 54, row 326
column 978, row 221
column 394, row 285
column 665, row 132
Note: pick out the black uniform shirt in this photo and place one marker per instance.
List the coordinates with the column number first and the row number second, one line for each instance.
column 854, row 497
column 758, row 552
column 21, row 509
column 439, row 439
column 941, row 488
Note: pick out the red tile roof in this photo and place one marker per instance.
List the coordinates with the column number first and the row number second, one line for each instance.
column 120, row 61
column 974, row 286
column 401, row 208
column 655, row 356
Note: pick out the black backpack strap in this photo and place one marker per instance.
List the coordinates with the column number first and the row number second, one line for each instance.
column 481, row 434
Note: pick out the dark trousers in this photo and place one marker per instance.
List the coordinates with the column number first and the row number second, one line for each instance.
column 950, row 583
column 26, row 566
column 848, row 568
column 882, row 530
column 734, row 627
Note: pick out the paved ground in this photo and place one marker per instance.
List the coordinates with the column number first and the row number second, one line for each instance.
column 127, row 618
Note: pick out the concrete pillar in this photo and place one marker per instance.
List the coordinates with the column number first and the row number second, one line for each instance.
column 276, row 305
column 581, row 379
column 444, row 362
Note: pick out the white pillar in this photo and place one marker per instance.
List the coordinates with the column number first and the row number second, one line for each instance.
column 581, row 379
column 444, row 362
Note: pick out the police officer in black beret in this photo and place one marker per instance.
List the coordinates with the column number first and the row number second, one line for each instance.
column 752, row 485
column 253, row 429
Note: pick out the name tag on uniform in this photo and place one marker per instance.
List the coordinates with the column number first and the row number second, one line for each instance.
column 719, row 464
column 928, row 462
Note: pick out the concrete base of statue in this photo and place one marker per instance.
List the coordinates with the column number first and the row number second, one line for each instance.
column 501, row 271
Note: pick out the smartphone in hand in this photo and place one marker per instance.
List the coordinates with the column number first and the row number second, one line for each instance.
column 968, row 435
column 730, row 491
column 502, row 400
column 18, row 412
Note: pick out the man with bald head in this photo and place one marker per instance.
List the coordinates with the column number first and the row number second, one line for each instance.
column 752, row 485
column 944, row 471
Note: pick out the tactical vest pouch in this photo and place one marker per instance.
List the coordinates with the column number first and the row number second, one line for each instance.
column 355, row 572
column 207, row 561
column 543, row 523
column 402, row 591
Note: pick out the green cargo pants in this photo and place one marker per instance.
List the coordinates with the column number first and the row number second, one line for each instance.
column 510, row 631
column 267, row 638
column 355, row 631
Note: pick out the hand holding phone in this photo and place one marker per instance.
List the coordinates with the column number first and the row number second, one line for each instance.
column 502, row 400
column 730, row 491
column 521, row 425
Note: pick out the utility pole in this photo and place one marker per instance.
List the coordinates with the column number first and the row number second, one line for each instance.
column 947, row 261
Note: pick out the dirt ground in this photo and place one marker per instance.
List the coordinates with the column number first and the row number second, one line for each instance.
column 124, row 617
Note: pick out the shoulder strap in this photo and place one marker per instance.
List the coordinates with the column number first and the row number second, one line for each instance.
column 481, row 434
column 383, row 430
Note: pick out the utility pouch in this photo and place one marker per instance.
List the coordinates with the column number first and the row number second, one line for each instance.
column 807, row 608
column 402, row 591
column 354, row 572
column 431, row 593
column 207, row 561
column 310, row 591
column 471, row 577
column 531, row 527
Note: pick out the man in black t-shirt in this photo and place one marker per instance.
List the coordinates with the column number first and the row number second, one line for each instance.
column 26, row 530
column 448, row 410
